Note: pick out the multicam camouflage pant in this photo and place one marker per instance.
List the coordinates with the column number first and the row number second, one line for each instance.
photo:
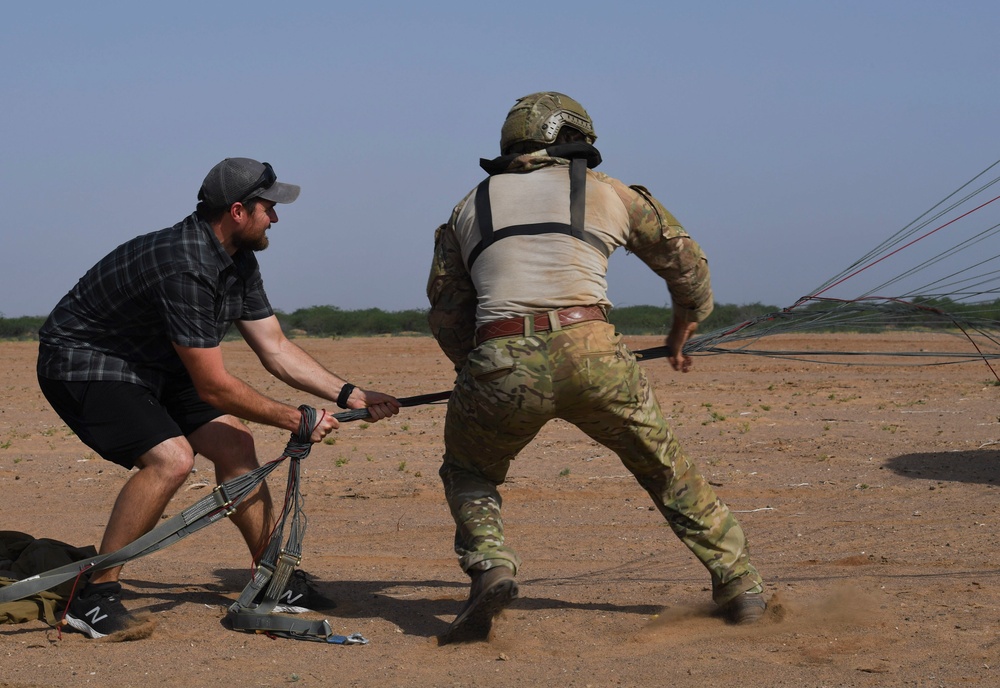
column 585, row 375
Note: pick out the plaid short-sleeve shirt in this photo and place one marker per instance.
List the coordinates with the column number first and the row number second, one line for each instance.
column 177, row 285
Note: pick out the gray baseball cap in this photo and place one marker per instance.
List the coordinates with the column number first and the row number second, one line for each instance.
column 235, row 180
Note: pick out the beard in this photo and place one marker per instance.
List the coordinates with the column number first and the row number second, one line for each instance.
column 257, row 243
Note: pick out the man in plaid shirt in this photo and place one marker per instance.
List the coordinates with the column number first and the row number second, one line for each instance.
column 130, row 359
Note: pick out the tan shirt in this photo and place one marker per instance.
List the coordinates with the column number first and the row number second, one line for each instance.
column 529, row 274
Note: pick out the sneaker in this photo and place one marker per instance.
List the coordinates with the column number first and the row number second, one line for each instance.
column 98, row 611
column 747, row 608
column 301, row 596
column 492, row 590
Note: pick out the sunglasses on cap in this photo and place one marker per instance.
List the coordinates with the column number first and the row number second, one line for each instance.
column 266, row 180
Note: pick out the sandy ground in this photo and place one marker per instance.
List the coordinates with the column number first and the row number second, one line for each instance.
column 869, row 495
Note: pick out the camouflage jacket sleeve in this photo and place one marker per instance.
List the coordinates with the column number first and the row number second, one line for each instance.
column 452, row 295
column 664, row 245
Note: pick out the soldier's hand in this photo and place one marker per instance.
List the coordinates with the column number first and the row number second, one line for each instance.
column 680, row 332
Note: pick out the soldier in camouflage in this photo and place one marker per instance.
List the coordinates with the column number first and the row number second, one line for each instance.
column 518, row 303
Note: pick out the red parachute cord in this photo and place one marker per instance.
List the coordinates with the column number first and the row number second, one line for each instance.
column 69, row 600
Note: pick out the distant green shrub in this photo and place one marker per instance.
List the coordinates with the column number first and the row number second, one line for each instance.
column 656, row 319
column 24, row 328
column 331, row 321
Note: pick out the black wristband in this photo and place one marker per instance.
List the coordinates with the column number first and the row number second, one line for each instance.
column 345, row 392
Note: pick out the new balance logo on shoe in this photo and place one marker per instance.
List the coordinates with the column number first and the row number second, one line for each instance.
column 95, row 615
column 287, row 603
column 288, row 597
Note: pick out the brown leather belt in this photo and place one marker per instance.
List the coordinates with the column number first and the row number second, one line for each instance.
column 513, row 327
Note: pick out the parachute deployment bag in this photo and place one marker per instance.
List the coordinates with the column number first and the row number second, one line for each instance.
column 23, row 556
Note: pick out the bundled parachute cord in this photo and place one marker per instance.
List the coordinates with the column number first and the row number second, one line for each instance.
column 288, row 558
column 254, row 610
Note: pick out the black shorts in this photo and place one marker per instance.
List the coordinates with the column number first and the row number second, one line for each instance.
column 121, row 421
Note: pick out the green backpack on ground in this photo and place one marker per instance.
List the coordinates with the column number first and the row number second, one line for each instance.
column 21, row 556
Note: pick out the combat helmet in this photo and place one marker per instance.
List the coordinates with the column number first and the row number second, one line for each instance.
column 538, row 117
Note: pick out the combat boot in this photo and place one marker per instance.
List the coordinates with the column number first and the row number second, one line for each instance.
column 744, row 609
column 491, row 591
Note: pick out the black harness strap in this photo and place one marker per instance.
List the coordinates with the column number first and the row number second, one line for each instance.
column 577, row 196
column 484, row 216
column 575, row 228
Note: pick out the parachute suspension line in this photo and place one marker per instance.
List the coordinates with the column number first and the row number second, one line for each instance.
column 939, row 284
column 921, row 222
column 916, row 309
column 843, row 279
column 986, row 359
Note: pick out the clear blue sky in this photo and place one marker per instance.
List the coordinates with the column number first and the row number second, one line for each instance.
column 788, row 137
